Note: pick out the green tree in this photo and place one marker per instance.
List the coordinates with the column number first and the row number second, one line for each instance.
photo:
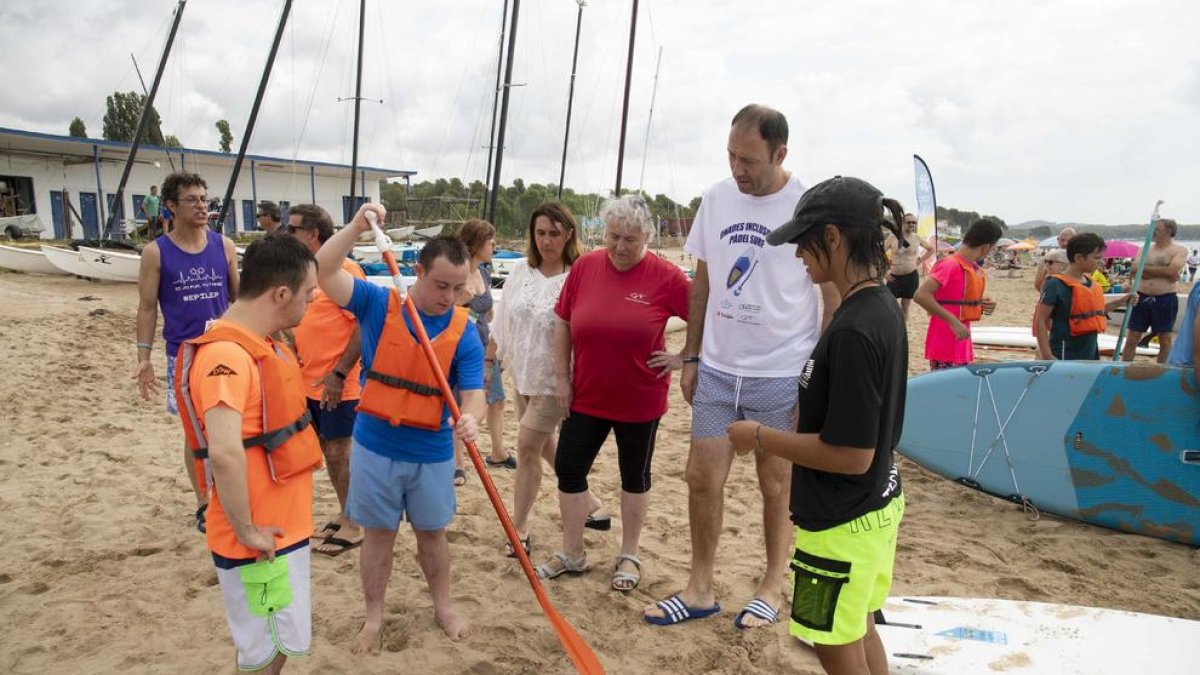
column 226, row 135
column 172, row 142
column 78, row 129
column 122, row 112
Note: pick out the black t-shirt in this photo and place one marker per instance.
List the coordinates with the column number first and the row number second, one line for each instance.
column 852, row 393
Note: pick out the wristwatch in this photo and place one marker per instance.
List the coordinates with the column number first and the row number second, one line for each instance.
column 339, row 374
column 691, row 359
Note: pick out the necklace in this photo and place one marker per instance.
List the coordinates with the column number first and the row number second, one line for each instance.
column 856, row 285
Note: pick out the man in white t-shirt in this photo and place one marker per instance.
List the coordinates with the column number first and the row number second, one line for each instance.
column 750, row 332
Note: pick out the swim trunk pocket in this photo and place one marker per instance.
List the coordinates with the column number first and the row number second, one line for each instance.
column 267, row 585
column 818, row 583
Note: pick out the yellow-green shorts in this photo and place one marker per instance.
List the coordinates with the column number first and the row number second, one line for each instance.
column 842, row 574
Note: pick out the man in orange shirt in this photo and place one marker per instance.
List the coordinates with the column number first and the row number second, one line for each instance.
column 247, row 424
column 328, row 346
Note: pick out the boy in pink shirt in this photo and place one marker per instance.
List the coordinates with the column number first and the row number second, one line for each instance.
column 953, row 295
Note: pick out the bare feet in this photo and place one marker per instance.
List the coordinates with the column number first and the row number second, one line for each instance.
column 368, row 641
column 455, row 626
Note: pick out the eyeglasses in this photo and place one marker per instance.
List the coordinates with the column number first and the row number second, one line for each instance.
column 193, row 200
column 910, row 222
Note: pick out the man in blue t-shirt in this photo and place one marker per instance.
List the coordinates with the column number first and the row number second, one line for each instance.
column 402, row 456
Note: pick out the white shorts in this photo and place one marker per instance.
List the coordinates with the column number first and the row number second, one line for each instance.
column 288, row 630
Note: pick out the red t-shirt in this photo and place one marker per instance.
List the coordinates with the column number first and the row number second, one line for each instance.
column 617, row 319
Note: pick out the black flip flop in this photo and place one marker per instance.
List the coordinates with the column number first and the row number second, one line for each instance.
column 331, row 528
column 603, row 524
column 342, row 544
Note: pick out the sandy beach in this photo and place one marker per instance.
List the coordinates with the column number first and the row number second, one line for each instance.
column 101, row 570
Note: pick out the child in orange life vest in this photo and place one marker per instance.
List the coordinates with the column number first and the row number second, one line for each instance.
column 1073, row 305
column 953, row 295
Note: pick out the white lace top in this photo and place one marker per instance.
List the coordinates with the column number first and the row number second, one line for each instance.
column 524, row 328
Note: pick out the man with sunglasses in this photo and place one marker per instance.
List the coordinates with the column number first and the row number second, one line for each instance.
column 191, row 273
column 903, row 277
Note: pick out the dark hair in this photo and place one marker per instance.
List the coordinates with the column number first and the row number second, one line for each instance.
column 270, row 209
column 443, row 246
column 179, row 179
column 558, row 213
column 475, row 233
column 770, row 123
column 273, row 261
column 864, row 245
column 1170, row 224
column 1083, row 244
column 982, row 232
column 313, row 217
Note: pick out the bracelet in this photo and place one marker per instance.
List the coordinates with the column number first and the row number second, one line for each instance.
column 489, row 360
column 691, row 359
column 145, row 345
column 339, row 374
column 758, row 438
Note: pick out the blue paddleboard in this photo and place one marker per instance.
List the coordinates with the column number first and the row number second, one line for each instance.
column 1112, row 444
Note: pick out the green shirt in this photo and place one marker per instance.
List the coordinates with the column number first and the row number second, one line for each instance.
column 150, row 205
column 1063, row 345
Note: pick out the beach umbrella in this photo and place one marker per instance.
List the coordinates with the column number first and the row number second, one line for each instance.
column 1024, row 245
column 1048, row 242
column 1005, row 242
column 1121, row 249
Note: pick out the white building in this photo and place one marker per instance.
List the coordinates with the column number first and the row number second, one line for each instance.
column 49, row 175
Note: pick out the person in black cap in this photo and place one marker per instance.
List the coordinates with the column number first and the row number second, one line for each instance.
column 846, row 500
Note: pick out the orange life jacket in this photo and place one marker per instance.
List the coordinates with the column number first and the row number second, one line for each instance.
column 401, row 387
column 1087, row 306
column 291, row 447
column 970, row 306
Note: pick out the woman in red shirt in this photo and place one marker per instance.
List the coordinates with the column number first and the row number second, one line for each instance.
column 612, row 317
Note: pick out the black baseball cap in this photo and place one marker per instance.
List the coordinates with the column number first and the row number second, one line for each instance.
column 841, row 200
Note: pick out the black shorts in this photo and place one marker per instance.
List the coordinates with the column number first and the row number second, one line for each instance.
column 333, row 424
column 904, row 285
column 1156, row 312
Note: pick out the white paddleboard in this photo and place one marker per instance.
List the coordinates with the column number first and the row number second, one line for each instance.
column 973, row 635
column 1022, row 337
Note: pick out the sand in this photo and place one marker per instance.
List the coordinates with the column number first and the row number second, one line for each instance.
column 101, row 570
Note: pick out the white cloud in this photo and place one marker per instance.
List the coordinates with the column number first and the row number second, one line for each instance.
column 1060, row 109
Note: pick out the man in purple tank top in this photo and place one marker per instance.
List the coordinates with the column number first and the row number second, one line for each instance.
column 191, row 273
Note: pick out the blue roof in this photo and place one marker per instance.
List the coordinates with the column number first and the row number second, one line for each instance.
column 122, row 145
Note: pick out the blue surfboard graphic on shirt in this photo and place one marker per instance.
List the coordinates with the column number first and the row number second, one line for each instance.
column 742, row 268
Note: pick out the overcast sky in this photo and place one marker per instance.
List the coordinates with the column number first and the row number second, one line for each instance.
column 1064, row 110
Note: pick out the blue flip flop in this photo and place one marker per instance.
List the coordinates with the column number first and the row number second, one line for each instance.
column 676, row 611
column 757, row 608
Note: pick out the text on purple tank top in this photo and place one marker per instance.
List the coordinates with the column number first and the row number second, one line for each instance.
column 193, row 288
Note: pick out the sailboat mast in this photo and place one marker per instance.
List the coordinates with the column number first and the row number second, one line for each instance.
column 512, row 46
column 146, row 93
column 625, row 104
column 649, row 119
column 562, row 171
column 258, row 97
column 495, row 99
column 362, row 14
column 143, row 122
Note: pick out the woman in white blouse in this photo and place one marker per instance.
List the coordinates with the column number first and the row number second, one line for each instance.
column 524, row 331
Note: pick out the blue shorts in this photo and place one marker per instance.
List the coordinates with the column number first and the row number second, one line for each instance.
column 333, row 424
column 1156, row 312
column 383, row 491
column 495, row 391
column 172, row 407
column 721, row 399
